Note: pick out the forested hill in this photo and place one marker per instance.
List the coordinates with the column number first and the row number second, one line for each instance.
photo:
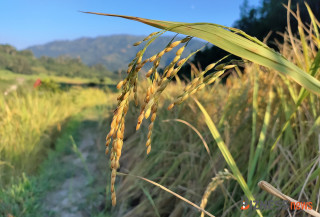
column 24, row 62
column 114, row 52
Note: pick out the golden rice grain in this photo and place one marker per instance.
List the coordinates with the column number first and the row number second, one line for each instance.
column 151, row 59
column 174, row 44
column 170, row 106
column 148, row 149
column 168, row 49
column 180, row 50
column 137, row 43
column 149, row 36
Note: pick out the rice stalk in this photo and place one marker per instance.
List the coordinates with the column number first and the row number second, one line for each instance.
column 275, row 192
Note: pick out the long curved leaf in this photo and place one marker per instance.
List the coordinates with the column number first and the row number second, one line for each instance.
column 236, row 42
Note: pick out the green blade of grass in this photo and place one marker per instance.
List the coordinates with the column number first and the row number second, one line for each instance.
column 241, row 45
column 262, row 139
column 254, row 117
column 226, row 154
column 150, row 200
column 313, row 20
column 302, row 95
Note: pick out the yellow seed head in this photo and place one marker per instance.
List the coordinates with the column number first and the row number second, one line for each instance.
column 129, row 69
column 168, row 49
column 211, row 80
column 174, row 72
column 113, row 180
column 201, row 86
column 147, row 114
column 108, row 141
column 220, row 66
column 113, row 164
column 148, row 142
column 179, row 51
column 150, row 126
column 151, row 59
column 119, row 144
column 114, row 201
column 137, row 43
column 153, row 117
column 187, row 87
column 139, row 53
column 156, row 62
column 114, row 172
column 174, row 44
column 176, row 58
column 181, row 62
column 120, row 85
column 184, row 97
column 160, row 54
column 125, row 109
column 149, row 36
column 114, row 144
column 138, row 125
column 119, row 118
column 229, row 66
column 156, row 76
column 111, row 131
column 118, row 153
column 117, row 165
column 148, row 149
column 209, row 67
column 193, row 91
column 170, row 106
column 149, row 73
column 107, row 150
column 139, row 60
column 151, row 89
column 140, row 118
column 169, row 72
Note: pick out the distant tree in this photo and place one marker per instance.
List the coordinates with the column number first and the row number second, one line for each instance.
column 270, row 15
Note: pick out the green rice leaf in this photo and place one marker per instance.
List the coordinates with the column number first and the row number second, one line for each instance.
column 236, row 42
column 226, row 154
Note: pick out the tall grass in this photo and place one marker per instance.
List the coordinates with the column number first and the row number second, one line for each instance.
column 29, row 121
column 267, row 123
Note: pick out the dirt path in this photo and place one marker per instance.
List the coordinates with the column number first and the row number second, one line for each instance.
column 79, row 192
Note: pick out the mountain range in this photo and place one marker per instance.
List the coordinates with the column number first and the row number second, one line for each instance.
column 114, row 51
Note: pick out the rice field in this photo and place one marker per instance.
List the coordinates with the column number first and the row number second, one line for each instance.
column 263, row 124
column 237, row 130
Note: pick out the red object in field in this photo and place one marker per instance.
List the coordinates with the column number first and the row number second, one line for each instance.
column 37, row 83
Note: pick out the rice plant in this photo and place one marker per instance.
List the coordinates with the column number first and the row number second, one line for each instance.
column 280, row 113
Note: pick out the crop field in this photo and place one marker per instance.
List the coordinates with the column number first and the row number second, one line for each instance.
column 239, row 137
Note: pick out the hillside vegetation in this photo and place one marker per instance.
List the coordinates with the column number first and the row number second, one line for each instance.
column 114, row 51
column 24, row 62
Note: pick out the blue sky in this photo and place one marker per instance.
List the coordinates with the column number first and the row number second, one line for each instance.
column 29, row 22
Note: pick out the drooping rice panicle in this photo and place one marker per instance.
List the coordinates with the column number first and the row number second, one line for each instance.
column 149, row 105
